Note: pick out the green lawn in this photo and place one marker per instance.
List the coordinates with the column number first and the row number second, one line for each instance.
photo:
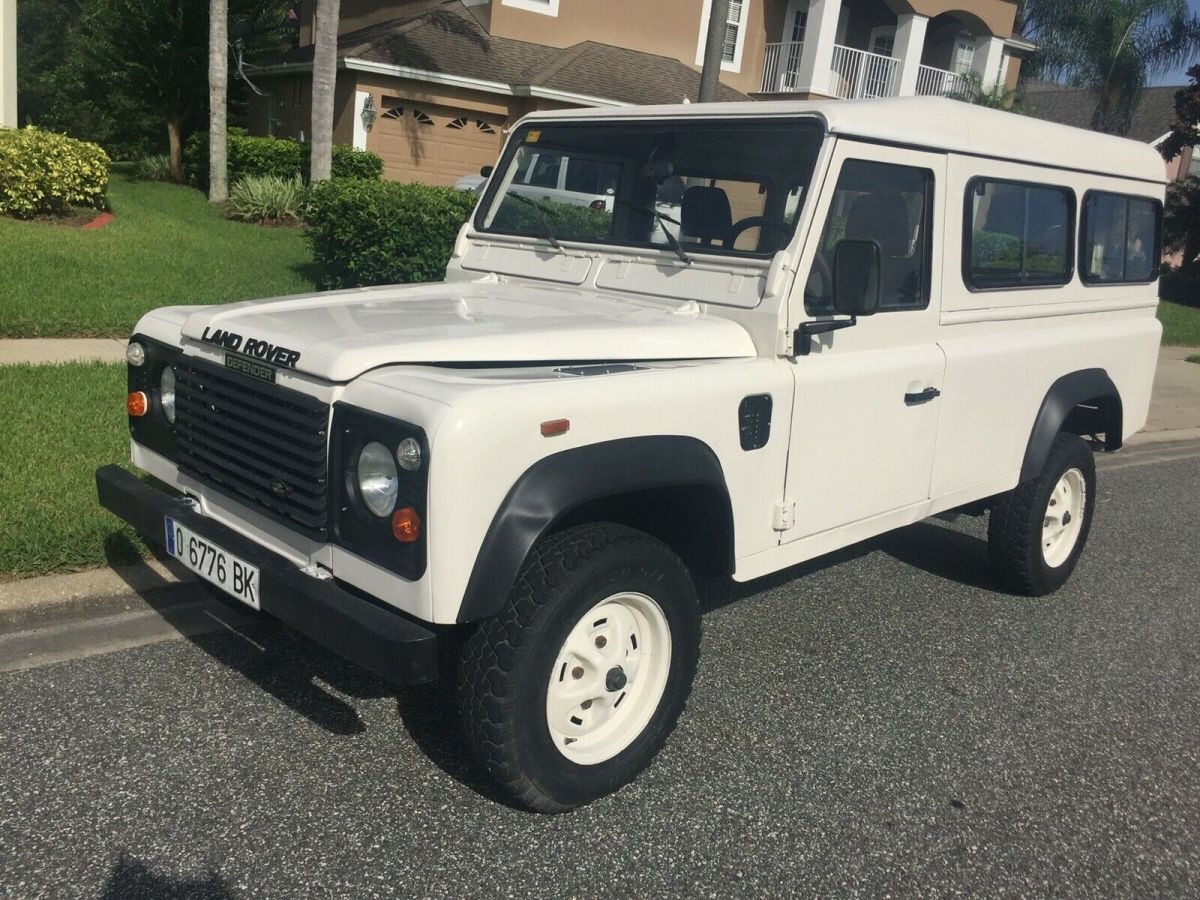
column 1181, row 324
column 60, row 423
column 166, row 246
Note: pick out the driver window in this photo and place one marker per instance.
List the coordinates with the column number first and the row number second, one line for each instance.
column 888, row 204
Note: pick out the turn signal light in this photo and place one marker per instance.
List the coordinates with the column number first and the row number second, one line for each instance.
column 555, row 427
column 406, row 525
column 136, row 404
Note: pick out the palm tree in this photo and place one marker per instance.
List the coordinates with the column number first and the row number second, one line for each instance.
column 1111, row 47
column 218, row 98
column 325, row 24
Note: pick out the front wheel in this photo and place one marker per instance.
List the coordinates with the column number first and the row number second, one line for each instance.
column 1037, row 531
column 571, row 690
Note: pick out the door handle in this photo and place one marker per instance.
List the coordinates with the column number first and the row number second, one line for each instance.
column 921, row 396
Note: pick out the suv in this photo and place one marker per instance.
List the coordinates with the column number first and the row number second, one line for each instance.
column 852, row 325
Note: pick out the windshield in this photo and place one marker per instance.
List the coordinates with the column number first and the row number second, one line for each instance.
column 725, row 186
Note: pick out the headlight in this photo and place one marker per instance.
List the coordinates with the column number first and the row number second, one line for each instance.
column 378, row 480
column 135, row 354
column 166, row 393
column 408, row 454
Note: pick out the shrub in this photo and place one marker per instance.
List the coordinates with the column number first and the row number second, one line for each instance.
column 156, row 167
column 381, row 232
column 566, row 220
column 272, row 156
column 347, row 162
column 267, row 199
column 44, row 172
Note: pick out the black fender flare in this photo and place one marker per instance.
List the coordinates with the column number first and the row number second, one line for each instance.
column 1063, row 397
column 557, row 484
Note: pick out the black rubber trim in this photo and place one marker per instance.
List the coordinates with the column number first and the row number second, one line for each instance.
column 1064, row 395
column 554, row 486
column 387, row 643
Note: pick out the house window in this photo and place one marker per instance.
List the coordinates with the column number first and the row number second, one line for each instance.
column 963, row 55
column 422, row 118
column 545, row 7
column 457, row 123
column 799, row 26
column 733, row 27
column 883, row 40
column 393, row 112
column 484, row 127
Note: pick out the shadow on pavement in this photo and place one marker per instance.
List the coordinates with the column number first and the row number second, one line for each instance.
column 942, row 552
column 132, row 878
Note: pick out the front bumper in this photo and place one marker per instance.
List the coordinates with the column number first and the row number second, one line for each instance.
column 390, row 645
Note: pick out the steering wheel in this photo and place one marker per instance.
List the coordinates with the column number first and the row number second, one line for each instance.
column 756, row 222
column 820, row 269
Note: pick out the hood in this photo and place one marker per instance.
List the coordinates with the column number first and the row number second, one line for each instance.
column 339, row 335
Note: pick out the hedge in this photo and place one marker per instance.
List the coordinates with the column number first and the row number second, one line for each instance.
column 42, row 172
column 382, row 232
column 271, row 156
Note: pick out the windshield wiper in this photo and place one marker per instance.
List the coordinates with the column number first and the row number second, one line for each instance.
column 661, row 219
column 547, row 231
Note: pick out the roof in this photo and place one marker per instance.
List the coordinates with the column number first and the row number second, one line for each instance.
column 935, row 122
column 448, row 40
column 1152, row 117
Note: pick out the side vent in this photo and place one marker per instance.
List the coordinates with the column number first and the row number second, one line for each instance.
column 754, row 421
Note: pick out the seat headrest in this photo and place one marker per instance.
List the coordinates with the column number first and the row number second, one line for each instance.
column 705, row 214
column 882, row 218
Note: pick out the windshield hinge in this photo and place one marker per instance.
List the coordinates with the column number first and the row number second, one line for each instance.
column 786, row 340
column 785, row 515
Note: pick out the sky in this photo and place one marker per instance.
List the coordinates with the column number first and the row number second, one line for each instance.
column 1177, row 76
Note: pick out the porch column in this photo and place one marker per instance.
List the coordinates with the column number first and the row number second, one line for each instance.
column 8, row 63
column 910, row 43
column 988, row 55
column 816, row 56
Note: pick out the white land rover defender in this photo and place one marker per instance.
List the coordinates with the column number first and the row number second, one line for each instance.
column 867, row 313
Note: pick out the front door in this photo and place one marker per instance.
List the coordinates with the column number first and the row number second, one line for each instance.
column 866, row 410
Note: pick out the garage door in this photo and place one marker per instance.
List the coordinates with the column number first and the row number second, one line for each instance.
column 434, row 144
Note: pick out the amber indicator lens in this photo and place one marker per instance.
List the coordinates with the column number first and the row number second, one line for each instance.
column 136, row 404
column 555, row 426
column 406, row 525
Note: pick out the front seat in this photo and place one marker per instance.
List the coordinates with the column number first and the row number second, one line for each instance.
column 705, row 216
column 884, row 218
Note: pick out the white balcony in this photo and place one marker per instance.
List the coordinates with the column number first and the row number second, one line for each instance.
column 781, row 61
column 932, row 82
column 856, row 74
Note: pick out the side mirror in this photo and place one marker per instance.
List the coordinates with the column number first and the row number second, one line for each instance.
column 486, row 171
column 856, row 267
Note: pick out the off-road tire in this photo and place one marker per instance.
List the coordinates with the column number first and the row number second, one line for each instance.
column 506, row 663
column 1016, row 519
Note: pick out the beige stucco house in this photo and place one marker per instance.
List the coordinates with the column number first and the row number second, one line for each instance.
column 430, row 85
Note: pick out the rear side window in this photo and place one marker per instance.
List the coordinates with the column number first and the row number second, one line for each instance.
column 1018, row 234
column 1120, row 238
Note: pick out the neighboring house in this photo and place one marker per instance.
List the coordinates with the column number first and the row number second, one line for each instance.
column 431, row 86
column 1152, row 117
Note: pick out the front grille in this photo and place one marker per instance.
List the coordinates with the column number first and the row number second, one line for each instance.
column 259, row 443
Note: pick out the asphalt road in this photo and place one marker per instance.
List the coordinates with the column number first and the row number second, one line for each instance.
column 878, row 723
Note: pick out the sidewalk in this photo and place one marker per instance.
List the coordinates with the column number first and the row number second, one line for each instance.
column 58, row 350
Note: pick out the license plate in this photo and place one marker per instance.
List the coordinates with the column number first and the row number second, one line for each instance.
column 234, row 576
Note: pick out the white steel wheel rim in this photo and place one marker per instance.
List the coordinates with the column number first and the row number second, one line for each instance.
column 608, row 678
column 1063, row 520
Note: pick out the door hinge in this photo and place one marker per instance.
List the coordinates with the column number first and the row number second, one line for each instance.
column 785, row 515
column 786, row 343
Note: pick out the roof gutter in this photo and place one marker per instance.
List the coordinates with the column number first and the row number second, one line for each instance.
column 356, row 64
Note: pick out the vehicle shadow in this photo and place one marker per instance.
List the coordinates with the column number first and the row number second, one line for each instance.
column 291, row 668
column 131, row 877
column 942, row 552
column 717, row 593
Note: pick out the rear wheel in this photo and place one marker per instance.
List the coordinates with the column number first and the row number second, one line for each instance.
column 1037, row 531
column 571, row 690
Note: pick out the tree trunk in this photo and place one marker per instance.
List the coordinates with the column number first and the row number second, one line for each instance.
column 175, row 142
column 218, row 98
column 710, row 76
column 325, row 23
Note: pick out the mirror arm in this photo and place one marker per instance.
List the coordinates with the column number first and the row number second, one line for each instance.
column 801, row 339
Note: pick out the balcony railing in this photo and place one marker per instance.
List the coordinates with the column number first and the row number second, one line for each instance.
column 933, row 82
column 780, row 64
column 857, row 74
